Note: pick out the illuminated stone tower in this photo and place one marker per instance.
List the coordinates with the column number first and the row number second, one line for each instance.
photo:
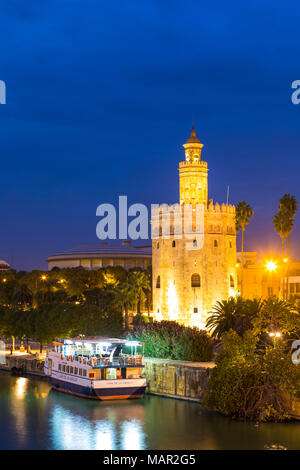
column 188, row 282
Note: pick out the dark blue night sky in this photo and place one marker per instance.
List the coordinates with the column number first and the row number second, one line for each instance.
column 102, row 95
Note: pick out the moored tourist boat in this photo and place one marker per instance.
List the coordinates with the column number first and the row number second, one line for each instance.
column 98, row 368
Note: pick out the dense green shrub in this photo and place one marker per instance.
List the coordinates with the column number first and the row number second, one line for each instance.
column 253, row 385
column 169, row 340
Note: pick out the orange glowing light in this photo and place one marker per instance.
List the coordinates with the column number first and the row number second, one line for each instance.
column 271, row 266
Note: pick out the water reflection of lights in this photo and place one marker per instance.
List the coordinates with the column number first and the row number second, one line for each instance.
column 104, row 436
column 72, row 432
column 132, row 436
column 20, row 388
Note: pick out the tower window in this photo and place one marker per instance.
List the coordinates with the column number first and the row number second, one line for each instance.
column 215, row 243
column 194, row 243
column 158, row 282
column 157, row 245
column 230, row 244
column 173, row 243
column 231, row 281
column 195, row 309
column 195, row 280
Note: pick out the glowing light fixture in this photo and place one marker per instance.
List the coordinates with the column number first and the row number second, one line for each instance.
column 271, row 266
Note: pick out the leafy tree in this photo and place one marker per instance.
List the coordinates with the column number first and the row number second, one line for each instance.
column 277, row 316
column 252, row 386
column 7, row 289
column 22, row 296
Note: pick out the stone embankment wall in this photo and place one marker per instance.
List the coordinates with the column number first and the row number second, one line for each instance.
column 24, row 365
column 177, row 379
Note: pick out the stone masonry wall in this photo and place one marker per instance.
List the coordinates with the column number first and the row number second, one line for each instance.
column 187, row 380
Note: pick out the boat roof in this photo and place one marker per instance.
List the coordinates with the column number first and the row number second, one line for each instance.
column 99, row 340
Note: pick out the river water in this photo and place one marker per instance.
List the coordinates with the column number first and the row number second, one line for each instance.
column 32, row 416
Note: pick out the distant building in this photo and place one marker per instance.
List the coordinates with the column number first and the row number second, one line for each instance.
column 102, row 255
column 265, row 276
column 4, row 266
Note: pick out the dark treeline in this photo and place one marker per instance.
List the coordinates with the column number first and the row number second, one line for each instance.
column 66, row 302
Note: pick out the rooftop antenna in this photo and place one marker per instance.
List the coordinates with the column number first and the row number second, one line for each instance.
column 227, row 195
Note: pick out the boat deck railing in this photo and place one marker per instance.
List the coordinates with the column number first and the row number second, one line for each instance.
column 120, row 361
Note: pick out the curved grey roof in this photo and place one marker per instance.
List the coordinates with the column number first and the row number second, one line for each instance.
column 105, row 250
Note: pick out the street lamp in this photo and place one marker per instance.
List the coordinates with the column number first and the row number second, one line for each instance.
column 271, row 266
column 274, row 335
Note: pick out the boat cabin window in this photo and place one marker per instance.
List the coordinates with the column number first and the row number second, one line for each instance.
column 59, row 366
column 80, row 371
column 84, row 372
column 112, row 374
column 76, row 370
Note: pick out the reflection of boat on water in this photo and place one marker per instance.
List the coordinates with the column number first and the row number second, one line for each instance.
column 97, row 368
column 116, row 410
column 87, row 424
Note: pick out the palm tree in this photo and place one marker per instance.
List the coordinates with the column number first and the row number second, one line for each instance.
column 235, row 313
column 126, row 295
column 140, row 283
column 288, row 205
column 243, row 215
column 283, row 226
column 223, row 317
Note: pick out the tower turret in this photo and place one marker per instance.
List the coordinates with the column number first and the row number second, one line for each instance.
column 193, row 173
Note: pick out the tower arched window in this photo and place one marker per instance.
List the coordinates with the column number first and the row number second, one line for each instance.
column 157, row 245
column 158, row 282
column 231, row 281
column 215, row 243
column 173, row 243
column 195, row 280
column 194, row 243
